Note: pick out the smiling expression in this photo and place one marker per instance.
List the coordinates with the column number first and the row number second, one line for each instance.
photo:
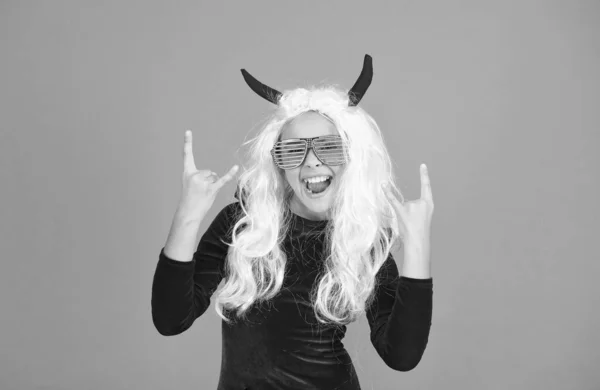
column 307, row 125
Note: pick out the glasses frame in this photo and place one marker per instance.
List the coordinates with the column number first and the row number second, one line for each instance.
column 308, row 146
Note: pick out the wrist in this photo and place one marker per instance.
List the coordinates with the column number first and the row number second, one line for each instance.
column 184, row 217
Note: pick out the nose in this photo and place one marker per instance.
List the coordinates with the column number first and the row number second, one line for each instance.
column 311, row 158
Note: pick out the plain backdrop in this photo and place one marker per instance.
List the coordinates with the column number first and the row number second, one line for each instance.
column 499, row 98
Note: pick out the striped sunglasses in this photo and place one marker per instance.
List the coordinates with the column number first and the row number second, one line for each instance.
column 290, row 153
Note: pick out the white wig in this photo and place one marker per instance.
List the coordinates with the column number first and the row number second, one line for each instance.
column 358, row 237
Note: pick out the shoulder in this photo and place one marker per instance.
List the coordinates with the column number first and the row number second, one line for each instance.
column 228, row 216
column 229, row 211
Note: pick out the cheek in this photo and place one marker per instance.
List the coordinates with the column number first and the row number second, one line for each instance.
column 338, row 169
column 291, row 178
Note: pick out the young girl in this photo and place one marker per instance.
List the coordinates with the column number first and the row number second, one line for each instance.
column 305, row 251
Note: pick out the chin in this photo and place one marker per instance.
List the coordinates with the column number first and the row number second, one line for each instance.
column 318, row 205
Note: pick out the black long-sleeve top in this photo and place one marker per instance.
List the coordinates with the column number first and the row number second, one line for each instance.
column 281, row 345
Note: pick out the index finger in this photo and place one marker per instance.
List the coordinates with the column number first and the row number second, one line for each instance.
column 425, row 184
column 188, row 154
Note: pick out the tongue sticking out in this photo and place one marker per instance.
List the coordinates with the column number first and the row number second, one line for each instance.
column 317, row 188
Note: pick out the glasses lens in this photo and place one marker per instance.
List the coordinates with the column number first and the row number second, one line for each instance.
column 330, row 150
column 288, row 154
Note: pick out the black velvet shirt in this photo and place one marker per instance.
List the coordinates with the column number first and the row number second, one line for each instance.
column 281, row 345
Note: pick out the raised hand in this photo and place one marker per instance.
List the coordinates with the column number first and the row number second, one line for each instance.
column 414, row 217
column 199, row 187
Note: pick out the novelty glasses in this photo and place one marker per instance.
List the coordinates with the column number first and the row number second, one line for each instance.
column 290, row 153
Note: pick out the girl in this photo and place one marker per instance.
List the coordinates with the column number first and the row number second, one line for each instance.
column 305, row 251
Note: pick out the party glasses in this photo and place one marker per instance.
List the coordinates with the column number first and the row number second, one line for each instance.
column 290, row 153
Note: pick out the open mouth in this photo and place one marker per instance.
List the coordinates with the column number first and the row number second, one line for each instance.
column 318, row 188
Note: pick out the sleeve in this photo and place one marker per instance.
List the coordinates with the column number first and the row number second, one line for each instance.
column 181, row 291
column 400, row 317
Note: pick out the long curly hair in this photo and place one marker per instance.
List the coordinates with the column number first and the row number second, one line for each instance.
column 359, row 235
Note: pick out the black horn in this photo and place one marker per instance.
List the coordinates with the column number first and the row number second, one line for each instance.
column 359, row 88
column 261, row 89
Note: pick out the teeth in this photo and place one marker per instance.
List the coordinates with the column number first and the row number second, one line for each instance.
column 316, row 179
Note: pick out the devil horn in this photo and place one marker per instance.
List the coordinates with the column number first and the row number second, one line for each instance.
column 359, row 88
column 261, row 89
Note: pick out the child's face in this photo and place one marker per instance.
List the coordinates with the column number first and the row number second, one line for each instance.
column 313, row 207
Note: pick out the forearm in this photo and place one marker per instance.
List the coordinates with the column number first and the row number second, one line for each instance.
column 173, row 284
column 416, row 264
column 406, row 332
column 181, row 241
